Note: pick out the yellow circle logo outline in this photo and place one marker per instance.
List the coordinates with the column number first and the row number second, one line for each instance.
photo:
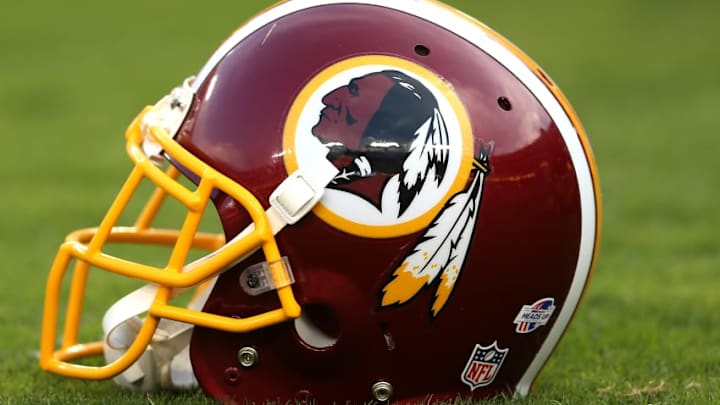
column 402, row 228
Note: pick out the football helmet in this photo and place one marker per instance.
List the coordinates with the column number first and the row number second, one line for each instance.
column 410, row 212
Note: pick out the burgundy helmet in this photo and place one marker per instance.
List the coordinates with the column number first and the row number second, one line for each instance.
column 410, row 211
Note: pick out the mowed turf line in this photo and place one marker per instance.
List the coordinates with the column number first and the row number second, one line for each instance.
column 642, row 75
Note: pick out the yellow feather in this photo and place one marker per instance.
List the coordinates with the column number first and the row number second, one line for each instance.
column 403, row 287
column 442, row 294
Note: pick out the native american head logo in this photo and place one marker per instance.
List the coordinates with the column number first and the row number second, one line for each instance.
column 403, row 144
column 381, row 125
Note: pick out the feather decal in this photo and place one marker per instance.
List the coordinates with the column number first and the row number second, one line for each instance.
column 442, row 249
column 404, row 287
column 427, row 159
column 460, row 242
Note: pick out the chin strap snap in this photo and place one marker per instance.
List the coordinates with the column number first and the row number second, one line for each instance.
column 165, row 364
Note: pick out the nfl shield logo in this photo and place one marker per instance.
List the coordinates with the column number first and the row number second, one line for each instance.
column 483, row 365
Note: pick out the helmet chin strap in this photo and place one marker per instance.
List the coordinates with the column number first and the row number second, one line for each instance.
column 165, row 364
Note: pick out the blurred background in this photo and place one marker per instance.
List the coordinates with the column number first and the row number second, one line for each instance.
column 644, row 77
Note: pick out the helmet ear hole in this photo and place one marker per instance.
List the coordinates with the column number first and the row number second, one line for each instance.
column 318, row 327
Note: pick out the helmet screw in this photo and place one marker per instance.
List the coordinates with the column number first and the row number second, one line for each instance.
column 382, row 391
column 232, row 376
column 304, row 397
column 247, row 356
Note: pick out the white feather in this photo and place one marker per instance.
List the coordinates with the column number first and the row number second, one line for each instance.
column 417, row 160
column 439, row 140
column 447, row 239
column 430, row 147
column 463, row 234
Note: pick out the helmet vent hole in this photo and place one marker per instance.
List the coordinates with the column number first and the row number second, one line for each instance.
column 318, row 327
column 422, row 50
column 504, row 103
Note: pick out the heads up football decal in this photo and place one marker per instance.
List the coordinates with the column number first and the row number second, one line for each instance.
column 535, row 315
column 403, row 143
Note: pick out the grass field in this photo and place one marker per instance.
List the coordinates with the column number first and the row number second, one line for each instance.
column 643, row 75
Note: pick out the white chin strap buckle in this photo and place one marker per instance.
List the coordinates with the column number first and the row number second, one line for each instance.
column 304, row 188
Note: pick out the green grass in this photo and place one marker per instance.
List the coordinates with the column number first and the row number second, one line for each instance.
column 643, row 76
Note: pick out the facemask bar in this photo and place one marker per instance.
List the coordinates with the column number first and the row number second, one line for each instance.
column 85, row 246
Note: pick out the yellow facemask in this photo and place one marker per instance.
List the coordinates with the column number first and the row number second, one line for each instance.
column 149, row 145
